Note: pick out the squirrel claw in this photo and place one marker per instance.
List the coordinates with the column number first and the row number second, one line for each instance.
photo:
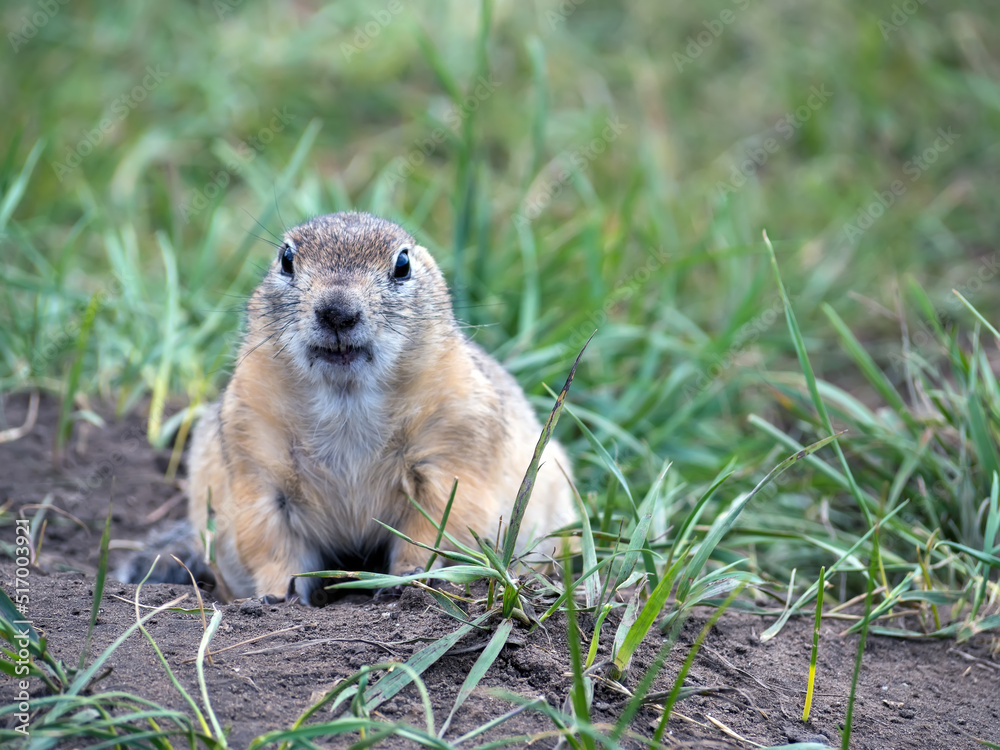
column 290, row 597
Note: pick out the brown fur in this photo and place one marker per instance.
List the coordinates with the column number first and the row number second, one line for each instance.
column 300, row 453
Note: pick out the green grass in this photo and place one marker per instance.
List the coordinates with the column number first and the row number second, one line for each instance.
column 570, row 173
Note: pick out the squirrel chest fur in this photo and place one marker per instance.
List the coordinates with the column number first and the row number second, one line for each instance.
column 355, row 389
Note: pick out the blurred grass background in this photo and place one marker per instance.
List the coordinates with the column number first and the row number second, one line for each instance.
column 572, row 165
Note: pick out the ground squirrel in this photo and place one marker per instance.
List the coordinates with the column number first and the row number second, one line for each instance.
column 355, row 388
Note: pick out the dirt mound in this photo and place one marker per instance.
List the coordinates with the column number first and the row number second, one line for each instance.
column 911, row 694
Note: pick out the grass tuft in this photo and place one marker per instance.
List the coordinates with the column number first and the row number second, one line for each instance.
column 570, row 173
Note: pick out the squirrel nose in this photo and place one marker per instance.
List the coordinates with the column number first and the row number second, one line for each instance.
column 337, row 318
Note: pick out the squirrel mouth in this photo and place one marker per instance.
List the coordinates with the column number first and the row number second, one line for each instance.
column 340, row 355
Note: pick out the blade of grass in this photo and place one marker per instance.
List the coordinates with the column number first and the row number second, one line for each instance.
column 82, row 679
column 987, row 559
column 602, row 453
column 872, row 372
column 592, row 584
column 395, row 681
column 461, row 553
column 578, row 690
column 460, row 574
column 979, row 315
column 447, row 605
column 163, row 661
column 13, row 627
column 978, row 423
column 807, row 371
column 628, row 619
column 479, row 669
column 641, row 690
column 872, row 574
column 596, row 637
column 810, row 684
column 650, row 611
column 300, row 736
column 99, row 580
column 536, row 54
column 15, row 190
column 344, row 689
column 649, row 503
column 527, row 485
column 73, row 381
column 554, row 607
column 774, row 629
column 495, row 722
column 689, row 660
column 161, row 382
column 206, row 639
column 683, row 533
column 443, row 525
column 722, row 526
column 635, row 547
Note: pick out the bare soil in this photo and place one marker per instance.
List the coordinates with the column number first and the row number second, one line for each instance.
column 912, row 694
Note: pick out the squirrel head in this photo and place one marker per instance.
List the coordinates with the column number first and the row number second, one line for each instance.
column 349, row 299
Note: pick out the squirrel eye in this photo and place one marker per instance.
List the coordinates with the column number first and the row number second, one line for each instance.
column 402, row 269
column 287, row 257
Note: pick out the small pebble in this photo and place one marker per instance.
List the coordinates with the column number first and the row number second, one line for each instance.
column 252, row 607
column 801, row 734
